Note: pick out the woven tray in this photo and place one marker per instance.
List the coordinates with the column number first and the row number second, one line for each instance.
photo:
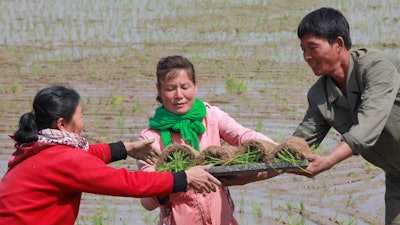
column 219, row 171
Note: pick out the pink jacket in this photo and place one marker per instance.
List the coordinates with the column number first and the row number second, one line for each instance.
column 193, row 208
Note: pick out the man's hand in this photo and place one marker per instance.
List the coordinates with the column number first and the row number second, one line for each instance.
column 318, row 164
column 143, row 150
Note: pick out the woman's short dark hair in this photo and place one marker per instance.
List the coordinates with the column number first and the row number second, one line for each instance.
column 171, row 63
column 49, row 105
column 327, row 23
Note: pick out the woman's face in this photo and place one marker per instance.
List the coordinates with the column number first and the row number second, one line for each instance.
column 177, row 92
column 76, row 123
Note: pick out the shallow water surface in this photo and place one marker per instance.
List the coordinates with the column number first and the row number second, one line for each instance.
column 109, row 51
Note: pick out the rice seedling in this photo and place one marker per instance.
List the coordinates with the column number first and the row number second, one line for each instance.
column 63, row 35
column 351, row 174
column 257, row 209
column 213, row 160
column 97, row 218
column 295, row 220
column 259, row 126
column 287, row 156
column 117, row 100
column 271, row 200
column 241, row 204
column 137, row 108
column 176, row 162
column 352, row 221
column 15, row 87
column 102, row 213
column 302, row 207
column 369, row 166
column 250, row 157
column 235, row 87
column 321, row 195
column 149, row 217
column 334, row 218
column 349, row 200
column 289, row 206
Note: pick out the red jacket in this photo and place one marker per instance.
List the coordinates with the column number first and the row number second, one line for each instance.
column 46, row 187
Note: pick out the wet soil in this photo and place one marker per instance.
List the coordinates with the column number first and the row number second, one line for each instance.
column 109, row 53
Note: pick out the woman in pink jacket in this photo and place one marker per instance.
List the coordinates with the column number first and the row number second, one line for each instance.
column 184, row 119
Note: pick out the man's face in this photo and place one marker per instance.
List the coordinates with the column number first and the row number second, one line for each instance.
column 322, row 57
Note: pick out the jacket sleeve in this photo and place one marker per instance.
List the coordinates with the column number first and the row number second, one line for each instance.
column 380, row 84
column 101, row 151
column 314, row 127
column 81, row 172
column 231, row 131
column 109, row 152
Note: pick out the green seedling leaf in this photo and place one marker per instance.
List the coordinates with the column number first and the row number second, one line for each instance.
column 177, row 161
column 286, row 156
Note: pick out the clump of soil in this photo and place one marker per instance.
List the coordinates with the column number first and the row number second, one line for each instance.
column 216, row 155
column 177, row 157
column 296, row 146
column 260, row 149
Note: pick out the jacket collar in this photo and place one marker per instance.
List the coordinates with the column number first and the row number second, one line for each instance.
column 353, row 86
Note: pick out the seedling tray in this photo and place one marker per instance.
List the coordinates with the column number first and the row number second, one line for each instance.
column 220, row 171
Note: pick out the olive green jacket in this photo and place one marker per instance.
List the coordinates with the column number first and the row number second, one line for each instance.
column 368, row 117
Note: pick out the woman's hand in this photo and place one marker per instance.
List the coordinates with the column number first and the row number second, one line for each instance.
column 199, row 179
column 143, row 150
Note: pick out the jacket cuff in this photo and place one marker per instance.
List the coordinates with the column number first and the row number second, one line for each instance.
column 118, row 151
column 355, row 145
column 180, row 182
column 163, row 200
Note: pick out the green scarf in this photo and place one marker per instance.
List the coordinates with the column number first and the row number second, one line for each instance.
column 189, row 125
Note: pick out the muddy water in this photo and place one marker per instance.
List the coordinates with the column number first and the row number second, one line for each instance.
column 109, row 51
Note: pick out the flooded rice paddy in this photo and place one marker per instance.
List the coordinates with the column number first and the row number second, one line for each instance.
column 108, row 52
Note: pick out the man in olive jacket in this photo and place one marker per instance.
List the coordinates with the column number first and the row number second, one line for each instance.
column 358, row 95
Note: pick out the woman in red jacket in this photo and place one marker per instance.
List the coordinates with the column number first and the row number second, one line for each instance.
column 53, row 164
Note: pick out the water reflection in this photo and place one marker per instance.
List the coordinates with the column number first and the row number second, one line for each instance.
column 69, row 30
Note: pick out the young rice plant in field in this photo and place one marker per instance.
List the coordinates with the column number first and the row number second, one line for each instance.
column 234, row 86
